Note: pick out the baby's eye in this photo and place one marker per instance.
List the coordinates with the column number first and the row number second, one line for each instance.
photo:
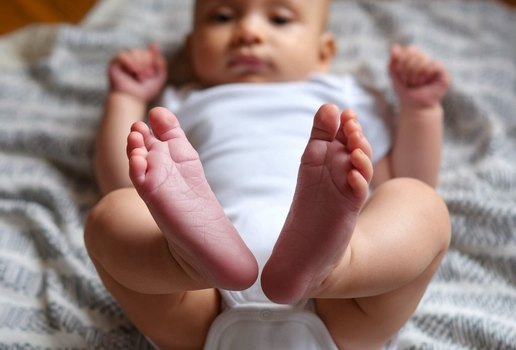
column 280, row 20
column 222, row 16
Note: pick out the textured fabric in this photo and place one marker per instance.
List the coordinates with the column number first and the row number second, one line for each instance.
column 52, row 87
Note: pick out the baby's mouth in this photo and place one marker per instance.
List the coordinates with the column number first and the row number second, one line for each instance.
column 247, row 64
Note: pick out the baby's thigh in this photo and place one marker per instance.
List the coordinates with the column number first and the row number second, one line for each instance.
column 181, row 325
column 169, row 321
column 349, row 326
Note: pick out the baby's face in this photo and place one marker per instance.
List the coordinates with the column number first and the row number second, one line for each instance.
column 259, row 40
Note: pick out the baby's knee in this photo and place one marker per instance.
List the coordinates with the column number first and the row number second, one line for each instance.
column 93, row 226
column 101, row 222
column 423, row 203
column 411, row 191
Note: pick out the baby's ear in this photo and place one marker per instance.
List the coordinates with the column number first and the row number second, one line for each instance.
column 327, row 50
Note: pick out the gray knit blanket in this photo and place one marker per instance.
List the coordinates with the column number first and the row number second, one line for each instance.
column 52, row 87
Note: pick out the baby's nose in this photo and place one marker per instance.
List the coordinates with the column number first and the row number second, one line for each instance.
column 249, row 31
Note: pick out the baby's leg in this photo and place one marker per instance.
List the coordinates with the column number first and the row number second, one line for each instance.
column 399, row 241
column 134, row 262
column 367, row 289
column 332, row 186
column 168, row 175
column 157, row 273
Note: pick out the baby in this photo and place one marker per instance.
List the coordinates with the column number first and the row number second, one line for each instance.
column 245, row 220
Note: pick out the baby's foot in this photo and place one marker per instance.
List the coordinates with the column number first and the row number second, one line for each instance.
column 333, row 184
column 168, row 175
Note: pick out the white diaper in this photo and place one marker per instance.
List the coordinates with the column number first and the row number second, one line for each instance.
column 260, row 326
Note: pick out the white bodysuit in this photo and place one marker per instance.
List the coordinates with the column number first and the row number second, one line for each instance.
column 250, row 138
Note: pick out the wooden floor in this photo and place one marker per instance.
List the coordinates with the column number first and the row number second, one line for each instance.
column 15, row 14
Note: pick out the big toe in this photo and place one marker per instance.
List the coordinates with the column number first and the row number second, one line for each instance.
column 164, row 124
column 326, row 123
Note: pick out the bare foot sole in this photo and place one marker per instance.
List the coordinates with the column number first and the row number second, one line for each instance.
column 168, row 175
column 333, row 184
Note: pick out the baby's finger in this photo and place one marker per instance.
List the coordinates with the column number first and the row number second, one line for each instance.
column 159, row 63
column 416, row 68
column 401, row 63
column 139, row 61
column 437, row 73
column 442, row 73
column 143, row 59
column 413, row 61
column 129, row 62
column 395, row 56
column 426, row 74
column 154, row 49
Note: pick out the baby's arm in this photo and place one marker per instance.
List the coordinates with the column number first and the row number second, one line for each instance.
column 420, row 84
column 136, row 77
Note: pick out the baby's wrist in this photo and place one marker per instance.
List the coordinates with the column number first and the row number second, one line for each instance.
column 119, row 93
column 126, row 97
column 421, row 110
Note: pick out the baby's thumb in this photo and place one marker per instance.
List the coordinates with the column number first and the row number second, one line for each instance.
column 154, row 49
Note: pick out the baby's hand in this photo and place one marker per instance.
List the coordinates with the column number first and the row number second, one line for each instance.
column 140, row 73
column 419, row 81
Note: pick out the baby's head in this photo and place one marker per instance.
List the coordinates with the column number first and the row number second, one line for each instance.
column 259, row 40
